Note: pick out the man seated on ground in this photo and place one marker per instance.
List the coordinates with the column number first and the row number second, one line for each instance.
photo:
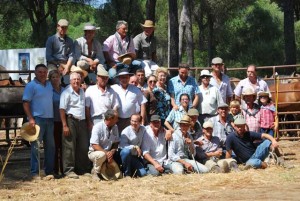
column 104, row 142
column 196, row 128
column 182, row 149
column 210, row 153
column 241, row 142
column 154, row 147
column 131, row 140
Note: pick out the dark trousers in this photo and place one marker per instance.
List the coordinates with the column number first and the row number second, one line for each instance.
column 58, row 162
column 75, row 148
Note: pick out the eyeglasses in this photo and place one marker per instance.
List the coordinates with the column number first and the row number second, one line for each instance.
column 263, row 97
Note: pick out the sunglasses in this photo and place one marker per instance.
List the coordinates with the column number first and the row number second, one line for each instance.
column 152, row 81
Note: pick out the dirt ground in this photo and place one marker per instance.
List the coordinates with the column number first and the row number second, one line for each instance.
column 273, row 183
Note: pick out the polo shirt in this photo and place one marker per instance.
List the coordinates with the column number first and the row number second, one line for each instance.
column 261, row 85
column 131, row 138
column 224, row 87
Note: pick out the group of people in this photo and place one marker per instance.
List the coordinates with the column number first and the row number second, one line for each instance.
column 143, row 123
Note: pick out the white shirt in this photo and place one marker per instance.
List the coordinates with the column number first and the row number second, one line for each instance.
column 261, row 85
column 99, row 102
column 209, row 99
column 128, row 99
column 155, row 146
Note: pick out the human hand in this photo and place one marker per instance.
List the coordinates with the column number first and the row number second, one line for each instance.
column 188, row 167
column 66, row 131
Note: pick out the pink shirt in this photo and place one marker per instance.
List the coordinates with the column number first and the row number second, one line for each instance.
column 111, row 45
column 267, row 116
column 252, row 117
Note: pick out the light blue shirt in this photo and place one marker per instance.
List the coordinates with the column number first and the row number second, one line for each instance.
column 73, row 103
column 175, row 116
column 40, row 98
column 131, row 138
column 221, row 131
column 224, row 87
column 178, row 149
column 104, row 137
column 176, row 88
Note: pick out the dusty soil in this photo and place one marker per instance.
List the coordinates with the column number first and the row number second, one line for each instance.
column 273, row 183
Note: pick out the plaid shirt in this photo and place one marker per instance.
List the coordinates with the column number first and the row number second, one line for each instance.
column 252, row 117
column 175, row 116
column 267, row 115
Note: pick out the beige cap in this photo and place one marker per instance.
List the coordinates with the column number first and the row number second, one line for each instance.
column 217, row 60
column 101, row 71
column 63, row 23
column 208, row 124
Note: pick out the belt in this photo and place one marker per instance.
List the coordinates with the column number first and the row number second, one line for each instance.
column 74, row 118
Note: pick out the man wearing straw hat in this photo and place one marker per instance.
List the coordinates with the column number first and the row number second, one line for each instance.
column 38, row 106
column 104, row 141
column 88, row 50
column 182, row 149
column 75, row 138
column 59, row 49
column 145, row 47
column 99, row 98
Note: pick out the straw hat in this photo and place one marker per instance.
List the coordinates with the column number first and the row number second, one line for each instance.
column 84, row 65
column 185, row 120
column 148, row 24
column 110, row 171
column 248, row 92
column 79, row 70
column 126, row 58
column 30, row 133
column 101, row 71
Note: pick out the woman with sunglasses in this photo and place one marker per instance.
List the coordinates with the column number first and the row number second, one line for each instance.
column 151, row 105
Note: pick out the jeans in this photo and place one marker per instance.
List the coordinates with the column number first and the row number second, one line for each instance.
column 132, row 163
column 262, row 151
column 46, row 135
column 267, row 130
column 152, row 170
column 178, row 168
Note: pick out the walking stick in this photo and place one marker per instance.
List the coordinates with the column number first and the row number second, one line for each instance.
column 194, row 159
column 276, row 100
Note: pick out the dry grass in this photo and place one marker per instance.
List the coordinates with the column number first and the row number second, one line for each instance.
column 274, row 183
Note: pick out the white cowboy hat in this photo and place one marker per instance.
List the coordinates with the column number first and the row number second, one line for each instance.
column 110, row 171
column 30, row 133
column 90, row 27
column 79, row 70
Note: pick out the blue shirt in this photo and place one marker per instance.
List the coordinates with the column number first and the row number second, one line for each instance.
column 176, row 88
column 59, row 49
column 243, row 147
column 40, row 98
column 56, row 100
column 73, row 103
column 175, row 116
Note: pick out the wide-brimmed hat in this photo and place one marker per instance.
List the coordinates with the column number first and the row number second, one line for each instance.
column 79, row 70
column 63, row 23
column 123, row 71
column 193, row 112
column 90, row 27
column 222, row 105
column 240, row 120
column 248, row 92
column 110, row 171
column 30, row 133
column 148, row 24
column 101, row 70
column 217, row 60
column 126, row 58
column 83, row 65
column 185, row 120
column 208, row 124
column 263, row 93
column 205, row 73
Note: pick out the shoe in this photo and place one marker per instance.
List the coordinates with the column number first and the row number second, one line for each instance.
column 35, row 177
column 72, row 175
column 48, row 177
column 216, row 169
column 225, row 167
column 95, row 175
column 234, row 166
column 247, row 167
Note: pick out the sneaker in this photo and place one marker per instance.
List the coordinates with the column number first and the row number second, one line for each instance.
column 95, row 175
column 72, row 175
column 234, row 166
column 35, row 177
column 225, row 167
column 216, row 169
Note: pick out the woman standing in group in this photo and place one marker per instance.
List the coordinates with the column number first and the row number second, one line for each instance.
column 55, row 78
column 151, row 105
column 163, row 106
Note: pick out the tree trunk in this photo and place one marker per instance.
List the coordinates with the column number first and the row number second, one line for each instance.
column 182, row 25
column 173, row 35
column 150, row 10
column 189, row 34
column 210, row 22
column 289, row 35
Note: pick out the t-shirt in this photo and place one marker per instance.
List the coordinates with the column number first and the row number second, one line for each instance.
column 243, row 147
